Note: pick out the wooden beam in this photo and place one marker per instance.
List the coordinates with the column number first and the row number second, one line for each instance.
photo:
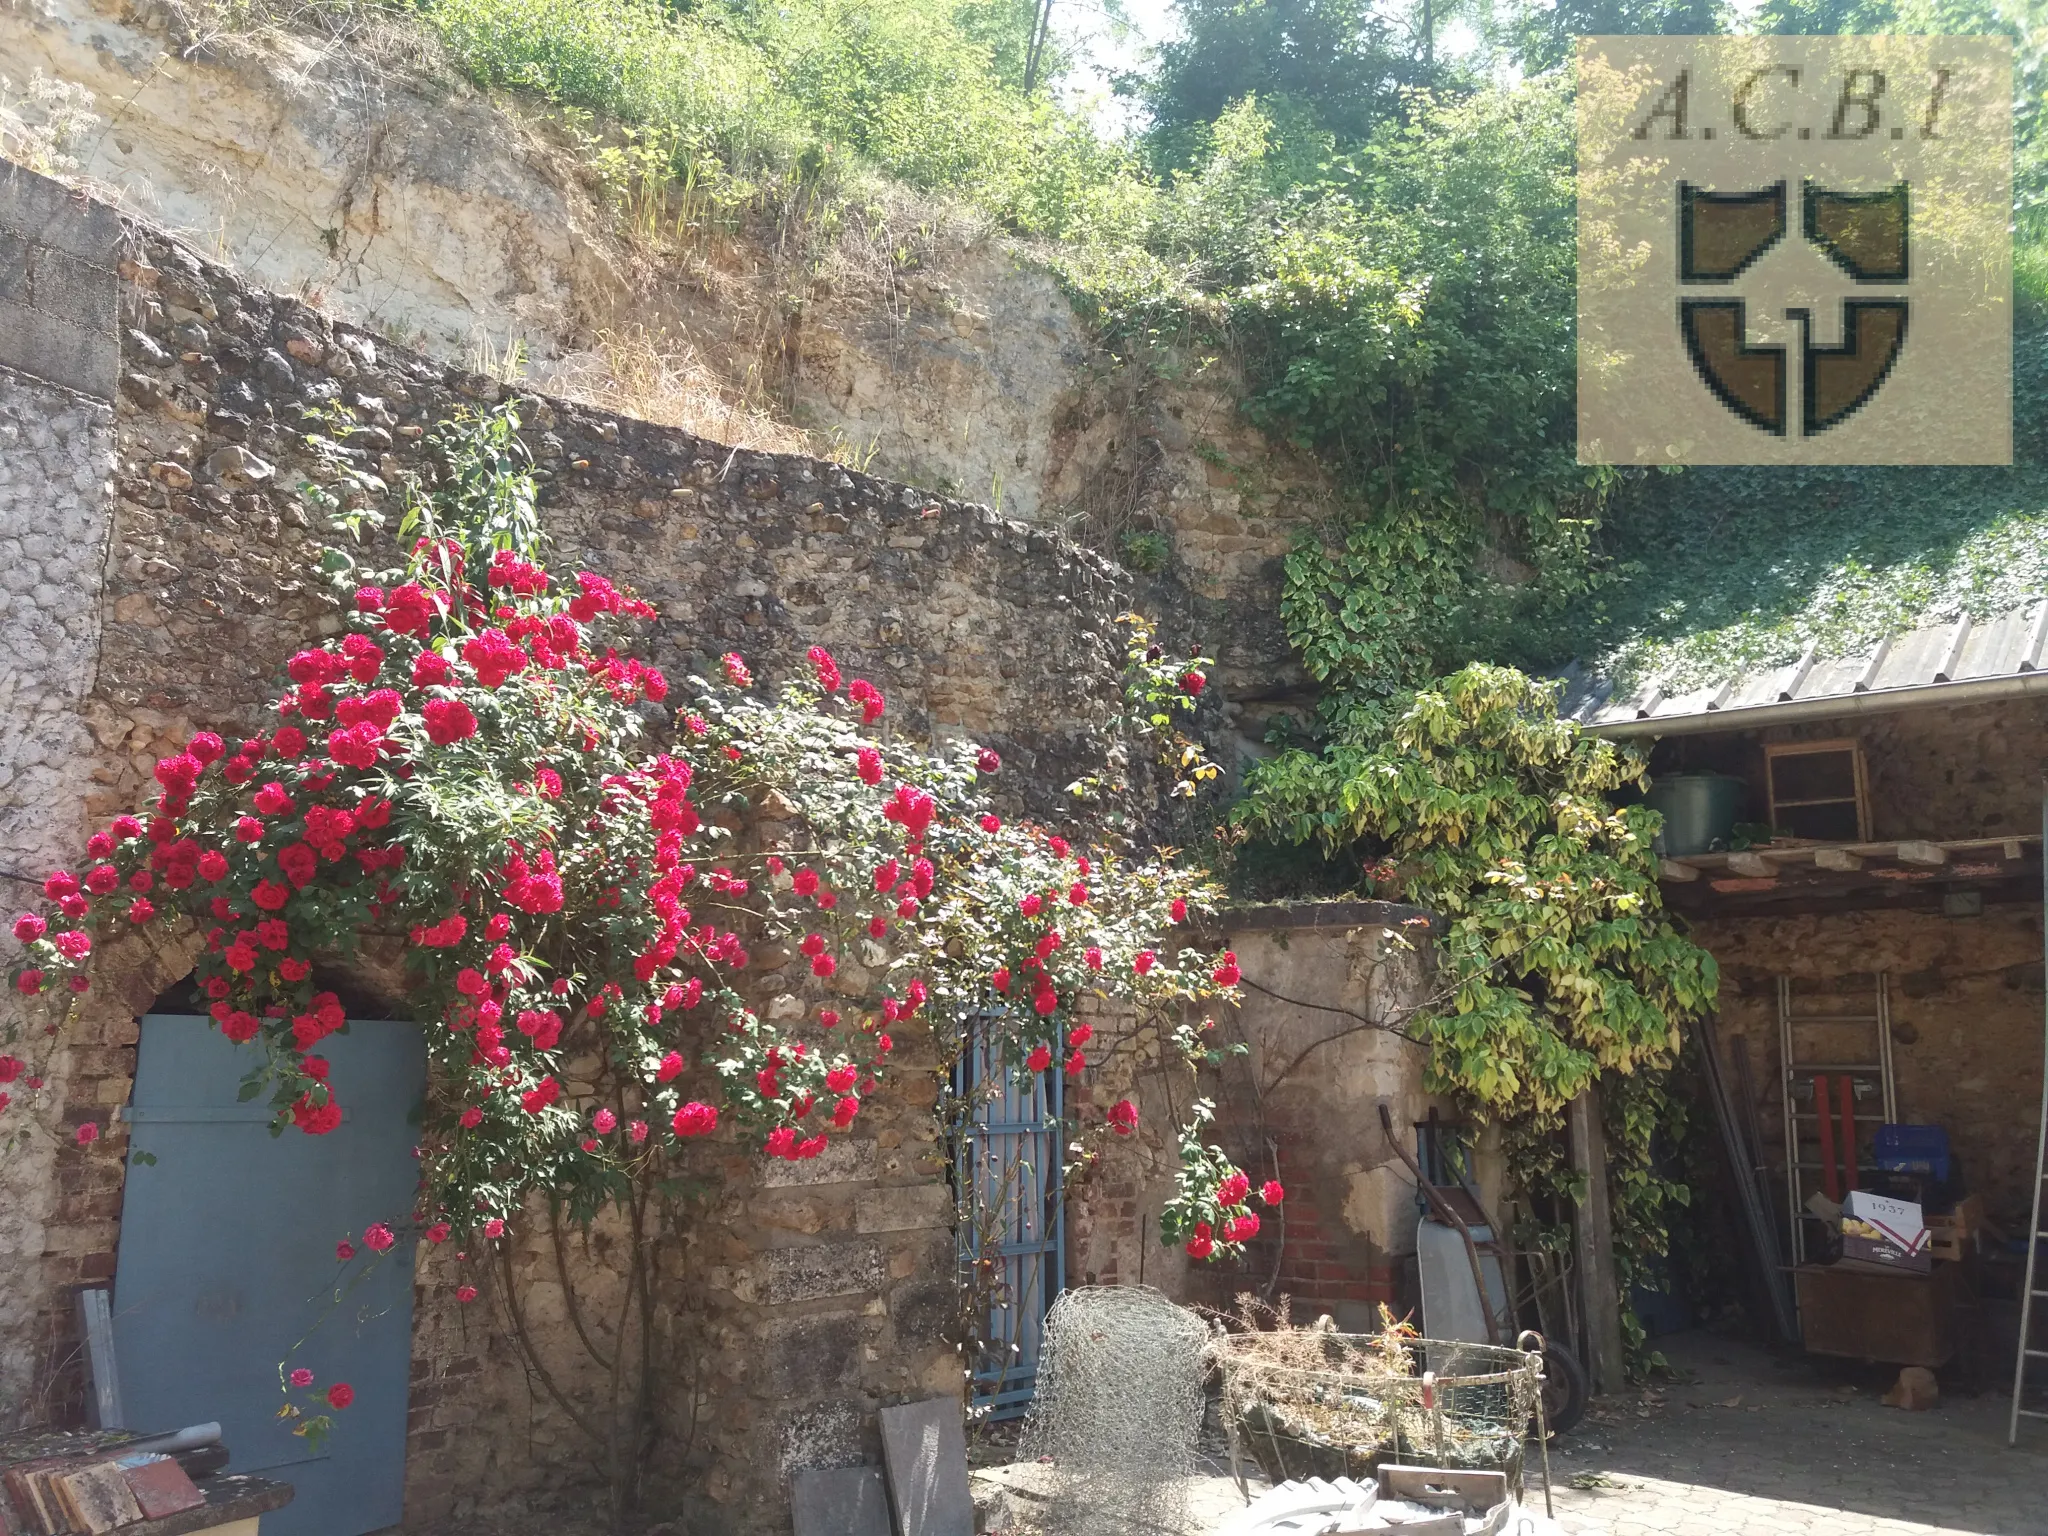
column 1841, row 860
column 1593, row 1248
column 1671, row 869
column 1754, row 865
column 1915, row 852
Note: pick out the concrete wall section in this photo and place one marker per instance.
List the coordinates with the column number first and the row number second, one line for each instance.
column 57, row 285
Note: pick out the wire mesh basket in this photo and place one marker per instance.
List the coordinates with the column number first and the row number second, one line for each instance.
column 1307, row 1402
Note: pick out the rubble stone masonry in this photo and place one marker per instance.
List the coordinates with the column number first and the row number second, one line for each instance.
column 154, row 572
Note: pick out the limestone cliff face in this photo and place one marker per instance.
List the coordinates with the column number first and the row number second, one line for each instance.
column 363, row 178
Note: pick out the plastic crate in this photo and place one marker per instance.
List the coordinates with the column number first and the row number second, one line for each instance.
column 1921, row 1149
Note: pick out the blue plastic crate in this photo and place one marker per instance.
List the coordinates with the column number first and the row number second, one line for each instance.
column 1921, row 1149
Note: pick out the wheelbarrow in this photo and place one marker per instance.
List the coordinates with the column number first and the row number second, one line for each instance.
column 1468, row 1292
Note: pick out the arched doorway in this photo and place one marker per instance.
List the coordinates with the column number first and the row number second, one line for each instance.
column 227, row 1266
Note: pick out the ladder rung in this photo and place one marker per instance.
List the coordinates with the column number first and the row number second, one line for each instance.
column 2032, row 1413
column 1805, row 1069
column 2037, row 1354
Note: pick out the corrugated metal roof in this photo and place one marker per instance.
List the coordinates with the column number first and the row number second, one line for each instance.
column 1936, row 664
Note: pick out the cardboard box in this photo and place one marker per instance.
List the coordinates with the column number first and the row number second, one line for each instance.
column 1884, row 1233
column 1952, row 1235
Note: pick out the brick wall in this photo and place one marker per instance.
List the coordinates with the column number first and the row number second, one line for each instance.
column 1323, row 983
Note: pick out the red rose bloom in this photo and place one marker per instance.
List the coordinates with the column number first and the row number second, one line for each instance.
column 827, row 668
column 448, row 721
column 495, row 655
column 695, row 1119
column 1123, row 1117
column 299, row 862
column 341, row 1394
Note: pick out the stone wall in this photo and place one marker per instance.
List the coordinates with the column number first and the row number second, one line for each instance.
column 1965, row 992
column 1966, row 1009
column 1327, row 988
column 1953, row 772
column 158, row 575
column 57, row 292
column 368, row 180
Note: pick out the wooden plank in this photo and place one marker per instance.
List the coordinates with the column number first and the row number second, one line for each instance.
column 1593, row 1247
column 1841, row 860
column 1754, row 865
column 1914, row 851
column 1671, row 869
column 96, row 1321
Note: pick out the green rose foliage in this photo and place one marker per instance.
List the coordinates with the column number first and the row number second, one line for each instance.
column 475, row 768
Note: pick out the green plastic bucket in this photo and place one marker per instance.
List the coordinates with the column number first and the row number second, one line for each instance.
column 1699, row 811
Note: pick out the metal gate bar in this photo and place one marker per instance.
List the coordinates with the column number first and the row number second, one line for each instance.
column 1012, row 1240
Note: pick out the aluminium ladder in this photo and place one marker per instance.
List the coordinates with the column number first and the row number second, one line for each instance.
column 1872, row 1078
column 2035, row 1287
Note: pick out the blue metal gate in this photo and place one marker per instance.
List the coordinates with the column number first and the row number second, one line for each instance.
column 1013, row 1244
column 227, row 1264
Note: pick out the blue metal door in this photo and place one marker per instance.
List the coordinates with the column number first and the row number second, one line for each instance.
column 1013, row 1243
column 227, row 1264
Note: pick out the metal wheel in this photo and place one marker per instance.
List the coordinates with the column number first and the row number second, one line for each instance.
column 1564, row 1388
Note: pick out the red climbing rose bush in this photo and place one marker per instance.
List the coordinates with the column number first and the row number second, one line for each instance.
column 632, row 915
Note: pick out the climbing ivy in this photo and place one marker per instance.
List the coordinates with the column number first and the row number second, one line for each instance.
column 1558, row 965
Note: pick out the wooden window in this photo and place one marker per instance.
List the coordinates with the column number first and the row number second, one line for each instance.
column 1817, row 791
